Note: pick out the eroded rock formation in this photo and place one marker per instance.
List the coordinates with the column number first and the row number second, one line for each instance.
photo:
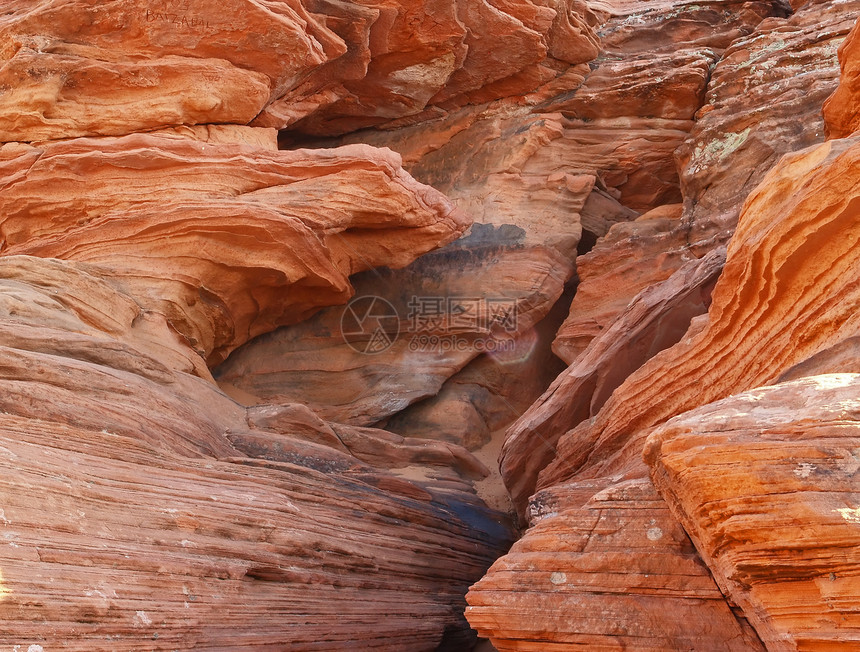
column 787, row 294
column 142, row 508
column 256, row 370
column 766, row 484
column 228, row 240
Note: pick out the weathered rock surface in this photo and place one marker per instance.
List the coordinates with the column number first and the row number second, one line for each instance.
column 766, row 484
column 597, row 145
column 629, row 258
column 655, row 320
column 227, row 240
column 842, row 109
column 82, row 68
column 143, row 509
column 415, row 61
column 427, row 321
column 714, row 191
column 764, row 100
column 479, row 402
column 789, row 290
column 604, row 566
column 787, row 297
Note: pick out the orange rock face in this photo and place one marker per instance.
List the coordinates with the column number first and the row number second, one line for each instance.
column 256, row 367
column 765, row 483
column 765, row 318
column 604, row 565
column 764, row 88
column 177, row 222
column 438, row 321
column 746, row 343
column 80, row 67
column 417, row 60
column 784, row 306
column 657, row 249
column 842, row 109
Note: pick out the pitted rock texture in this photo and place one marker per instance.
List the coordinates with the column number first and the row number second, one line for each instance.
column 764, row 100
column 228, row 240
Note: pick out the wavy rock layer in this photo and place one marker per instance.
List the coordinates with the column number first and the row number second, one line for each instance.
column 196, row 525
column 842, row 109
column 82, row 68
column 749, row 86
column 228, row 240
column 788, row 295
column 655, row 320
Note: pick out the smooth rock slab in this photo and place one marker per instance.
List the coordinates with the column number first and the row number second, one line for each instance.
column 604, row 567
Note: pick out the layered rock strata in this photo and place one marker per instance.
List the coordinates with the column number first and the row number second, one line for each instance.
column 228, row 240
column 766, row 484
column 787, row 294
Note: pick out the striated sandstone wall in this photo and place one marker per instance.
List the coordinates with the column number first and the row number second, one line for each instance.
column 288, row 289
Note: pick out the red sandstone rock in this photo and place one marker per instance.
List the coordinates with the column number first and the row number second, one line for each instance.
column 140, row 511
column 767, row 313
column 405, row 58
column 82, row 67
column 765, row 482
column 842, row 109
column 476, row 404
column 629, row 258
column 787, row 298
column 433, row 321
column 604, row 567
column 764, row 100
column 176, row 222
column 657, row 318
column 811, row 34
